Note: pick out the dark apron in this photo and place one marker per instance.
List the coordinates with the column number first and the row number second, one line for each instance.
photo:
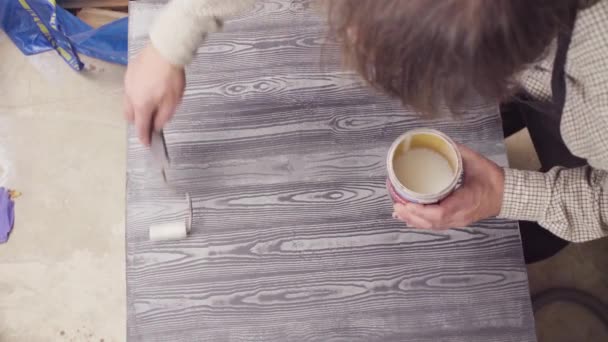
column 543, row 119
column 543, row 122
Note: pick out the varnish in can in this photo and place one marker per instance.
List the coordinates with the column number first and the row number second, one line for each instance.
column 424, row 166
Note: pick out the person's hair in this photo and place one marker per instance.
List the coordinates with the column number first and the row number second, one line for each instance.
column 431, row 52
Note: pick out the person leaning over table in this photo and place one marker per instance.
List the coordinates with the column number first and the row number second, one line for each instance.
column 545, row 60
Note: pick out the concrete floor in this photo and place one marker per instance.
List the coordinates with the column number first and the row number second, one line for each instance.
column 62, row 143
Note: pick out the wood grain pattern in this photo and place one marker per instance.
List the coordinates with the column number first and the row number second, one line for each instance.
column 283, row 153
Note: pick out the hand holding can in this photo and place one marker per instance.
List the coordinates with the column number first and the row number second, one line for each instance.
column 434, row 193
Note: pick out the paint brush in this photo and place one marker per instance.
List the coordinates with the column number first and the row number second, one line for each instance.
column 158, row 147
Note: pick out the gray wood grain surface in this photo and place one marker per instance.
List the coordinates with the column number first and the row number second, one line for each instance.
column 283, row 154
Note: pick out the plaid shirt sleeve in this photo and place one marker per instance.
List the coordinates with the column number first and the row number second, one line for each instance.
column 571, row 203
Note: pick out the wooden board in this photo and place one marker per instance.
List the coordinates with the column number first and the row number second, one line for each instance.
column 97, row 17
column 283, row 154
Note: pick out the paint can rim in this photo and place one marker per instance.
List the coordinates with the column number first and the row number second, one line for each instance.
column 419, row 197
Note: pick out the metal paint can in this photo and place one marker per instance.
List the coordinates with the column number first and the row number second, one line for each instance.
column 430, row 139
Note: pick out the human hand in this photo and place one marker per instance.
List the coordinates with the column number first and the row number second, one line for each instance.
column 153, row 89
column 479, row 197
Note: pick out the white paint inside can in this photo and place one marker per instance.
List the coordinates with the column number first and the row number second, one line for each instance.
column 423, row 170
column 424, row 166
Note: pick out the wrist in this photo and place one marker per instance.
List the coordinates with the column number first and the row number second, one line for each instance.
column 497, row 180
column 159, row 58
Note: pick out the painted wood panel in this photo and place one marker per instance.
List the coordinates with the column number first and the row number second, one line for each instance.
column 283, row 153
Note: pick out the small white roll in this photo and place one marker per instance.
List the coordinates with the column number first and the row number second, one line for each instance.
column 168, row 231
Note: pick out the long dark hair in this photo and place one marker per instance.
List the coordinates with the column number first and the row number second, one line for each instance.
column 430, row 52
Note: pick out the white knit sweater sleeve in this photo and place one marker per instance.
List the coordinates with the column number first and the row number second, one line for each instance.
column 183, row 25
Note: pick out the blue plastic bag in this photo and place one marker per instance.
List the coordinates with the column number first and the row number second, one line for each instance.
column 109, row 42
column 7, row 214
column 37, row 26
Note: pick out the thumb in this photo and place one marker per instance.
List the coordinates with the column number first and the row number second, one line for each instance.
column 466, row 152
column 470, row 158
column 143, row 124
